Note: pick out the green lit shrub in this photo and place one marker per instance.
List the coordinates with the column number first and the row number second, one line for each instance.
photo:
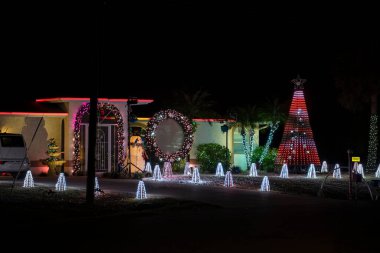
column 268, row 162
column 210, row 154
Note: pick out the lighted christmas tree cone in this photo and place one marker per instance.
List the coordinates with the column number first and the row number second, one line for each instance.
column 265, row 187
column 157, row 173
column 377, row 174
column 360, row 170
column 98, row 191
column 141, row 191
column 148, row 168
column 61, row 183
column 311, row 172
column 253, row 170
column 219, row 170
column 336, row 173
column 324, row 167
column 196, row 177
column 28, row 181
column 284, row 171
column 355, row 167
column 168, row 172
column 187, row 170
column 228, row 181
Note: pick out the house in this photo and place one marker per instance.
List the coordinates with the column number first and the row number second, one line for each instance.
column 66, row 120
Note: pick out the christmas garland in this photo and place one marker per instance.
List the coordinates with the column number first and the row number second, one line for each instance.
column 150, row 138
column 82, row 111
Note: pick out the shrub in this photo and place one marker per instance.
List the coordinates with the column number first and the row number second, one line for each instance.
column 235, row 170
column 210, row 154
column 178, row 166
column 268, row 162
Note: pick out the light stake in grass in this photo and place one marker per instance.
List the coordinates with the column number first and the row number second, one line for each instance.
column 228, row 181
column 219, row 170
column 253, row 170
column 28, row 181
column 61, row 183
column 284, row 171
column 141, row 191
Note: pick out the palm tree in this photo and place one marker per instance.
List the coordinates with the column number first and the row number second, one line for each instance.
column 245, row 121
column 358, row 80
column 272, row 114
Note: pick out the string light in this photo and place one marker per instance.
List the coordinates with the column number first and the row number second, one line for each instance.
column 148, row 167
column 253, row 170
column 83, row 111
column 273, row 129
column 219, row 170
column 187, row 170
column 265, row 187
column 141, row 191
column 337, row 174
column 157, row 173
column 324, row 167
column 284, row 171
column 377, row 174
column 151, row 141
column 297, row 146
column 196, row 177
column 168, row 172
column 28, row 181
column 360, row 170
column 61, row 183
column 311, row 172
column 372, row 143
column 228, row 181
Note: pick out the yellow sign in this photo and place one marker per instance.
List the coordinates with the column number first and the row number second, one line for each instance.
column 356, row 159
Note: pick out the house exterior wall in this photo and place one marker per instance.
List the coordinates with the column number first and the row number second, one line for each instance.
column 50, row 127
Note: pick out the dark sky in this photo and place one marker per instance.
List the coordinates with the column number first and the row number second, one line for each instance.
column 151, row 49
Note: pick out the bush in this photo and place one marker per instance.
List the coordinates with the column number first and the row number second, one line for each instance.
column 178, row 166
column 236, row 170
column 268, row 163
column 210, row 154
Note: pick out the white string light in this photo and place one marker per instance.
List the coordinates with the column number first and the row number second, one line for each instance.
column 311, row 172
column 228, row 181
column 219, row 170
column 28, row 181
column 196, row 177
column 168, row 172
column 61, row 183
column 253, row 170
column 157, row 173
column 284, row 171
column 141, row 191
column 337, row 174
column 187, row 170
column 265, row 187
column 148, row 168
column 324, row 167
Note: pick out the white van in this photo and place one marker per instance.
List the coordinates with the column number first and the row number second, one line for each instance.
column 13, row 154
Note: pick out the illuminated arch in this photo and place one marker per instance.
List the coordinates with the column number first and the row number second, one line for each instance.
column 82, row 111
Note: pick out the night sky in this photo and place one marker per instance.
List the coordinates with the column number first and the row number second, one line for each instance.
column 152, row 49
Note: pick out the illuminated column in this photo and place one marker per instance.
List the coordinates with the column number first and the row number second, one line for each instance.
column 297, row 147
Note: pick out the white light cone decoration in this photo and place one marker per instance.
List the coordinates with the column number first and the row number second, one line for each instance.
column 219, row 170
column 324, row 167
column 336, row 173
column 168, row 172
column 157, row 173
column 28, row 181
column 311, row 172
column 377, row 174
column 96, row 187
column 265, row 187
column 141, row 192
column 284, row 171
column 148, row 168
column 61, row 183
column 187, row 171
column 196, row 178
column 361, row 170
column 355, row 167
column 228, row 181
column 253, row 170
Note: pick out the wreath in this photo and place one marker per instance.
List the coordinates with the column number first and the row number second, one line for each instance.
column 150, row 135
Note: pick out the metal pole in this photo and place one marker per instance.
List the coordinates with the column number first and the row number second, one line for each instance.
column 349, row 174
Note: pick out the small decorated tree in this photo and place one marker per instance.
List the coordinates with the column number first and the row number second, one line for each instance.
column 53, row 160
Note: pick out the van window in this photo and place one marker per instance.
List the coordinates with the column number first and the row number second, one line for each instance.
column 12, row 141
